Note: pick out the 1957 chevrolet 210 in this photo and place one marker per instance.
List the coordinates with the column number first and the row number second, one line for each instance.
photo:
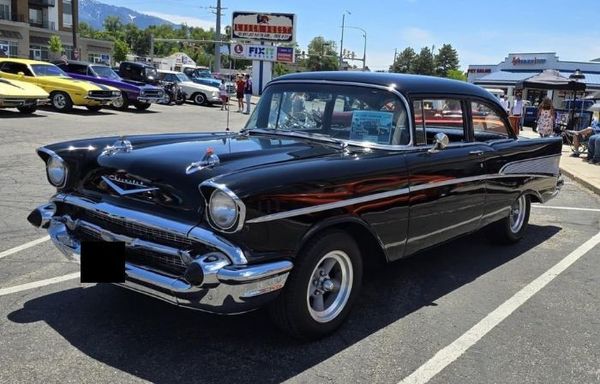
column 332, row 171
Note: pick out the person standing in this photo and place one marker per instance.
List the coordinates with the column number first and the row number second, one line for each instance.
column 517, row 111
column 545, row 118
column 223, row 95
column 247, row 93
column 239, row 92
column 504, row 103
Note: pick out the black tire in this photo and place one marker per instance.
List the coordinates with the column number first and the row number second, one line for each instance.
column 61, row 101
column 93, row 108
column 199, row 98
column 142, row 106
column 169, row 99
column 122, row 102
column 293, row 310
column 508, row 230
column 27, row 110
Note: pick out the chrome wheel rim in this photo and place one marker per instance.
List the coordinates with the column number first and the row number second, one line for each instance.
column 118, row 102
column 330, row 286
column 199, row 99
column 60, row 101
column 517, row 214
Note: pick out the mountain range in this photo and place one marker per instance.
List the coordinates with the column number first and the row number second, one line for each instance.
column 94, row 12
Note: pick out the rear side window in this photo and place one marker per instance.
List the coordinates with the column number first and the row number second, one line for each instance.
column 487, row 123
column 15, row 68
column 433, row 116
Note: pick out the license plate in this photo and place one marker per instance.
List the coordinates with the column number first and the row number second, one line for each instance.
column 102, row 262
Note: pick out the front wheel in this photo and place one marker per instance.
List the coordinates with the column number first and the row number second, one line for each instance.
column 61, row 102
column 121, row 102
column 199, row 99
column 321, row 288
column 512, row 228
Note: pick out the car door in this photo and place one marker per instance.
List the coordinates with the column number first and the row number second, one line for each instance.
column 447, row 186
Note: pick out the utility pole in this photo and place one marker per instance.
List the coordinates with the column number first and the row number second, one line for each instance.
column 217, row 12
column 342, row 39
column 75, row 22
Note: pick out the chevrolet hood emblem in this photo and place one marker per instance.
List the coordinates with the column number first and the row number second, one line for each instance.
column 131, row 186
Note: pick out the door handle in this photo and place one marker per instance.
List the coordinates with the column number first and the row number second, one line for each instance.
column 477, row 153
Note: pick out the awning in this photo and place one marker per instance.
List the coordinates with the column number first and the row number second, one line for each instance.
column 503, row 78
column 551, row 79
column 10, row 34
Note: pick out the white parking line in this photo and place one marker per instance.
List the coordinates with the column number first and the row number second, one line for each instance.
column 453, row 351
column 33, row 243
column 565, row 208
column 37, row 284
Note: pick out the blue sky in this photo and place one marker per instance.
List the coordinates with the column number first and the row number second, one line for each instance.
column 482, row 31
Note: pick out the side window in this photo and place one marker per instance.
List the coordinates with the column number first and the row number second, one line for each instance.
column 78, row 69
column 487, row 123
column 15, row 68
column 432, row 116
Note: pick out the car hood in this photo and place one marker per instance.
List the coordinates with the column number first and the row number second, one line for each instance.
column 15, row 88
column 165, row 162
column 202, row 87
column 70, row 83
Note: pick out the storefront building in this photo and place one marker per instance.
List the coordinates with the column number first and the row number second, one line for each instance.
column 27, row 25
column 520, row 66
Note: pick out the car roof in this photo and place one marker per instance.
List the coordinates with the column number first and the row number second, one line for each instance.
column 167, row 71
column 24, row 61
column 76, row 62
column 408, row 84
column 137, row 63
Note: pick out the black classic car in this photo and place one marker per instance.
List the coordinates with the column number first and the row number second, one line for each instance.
column 332, row 171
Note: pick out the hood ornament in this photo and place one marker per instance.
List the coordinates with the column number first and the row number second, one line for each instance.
column 209, row 160
column 121, row 145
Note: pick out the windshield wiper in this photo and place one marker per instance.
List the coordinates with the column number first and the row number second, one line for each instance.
column 325, row 139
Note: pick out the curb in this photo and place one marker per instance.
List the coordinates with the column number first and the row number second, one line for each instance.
column 595, row 189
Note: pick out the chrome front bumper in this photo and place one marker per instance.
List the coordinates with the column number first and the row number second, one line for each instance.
column 149, row 100
column 212, row 282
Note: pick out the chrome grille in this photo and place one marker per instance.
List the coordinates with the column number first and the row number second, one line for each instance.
column 101, row 94
column 136, row 230
column 152, row 93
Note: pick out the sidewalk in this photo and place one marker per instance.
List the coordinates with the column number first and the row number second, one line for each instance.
column 576, row 168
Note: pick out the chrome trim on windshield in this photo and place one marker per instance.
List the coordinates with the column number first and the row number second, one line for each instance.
column 391, row 88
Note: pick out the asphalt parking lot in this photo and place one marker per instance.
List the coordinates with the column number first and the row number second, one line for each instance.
column 466, row 312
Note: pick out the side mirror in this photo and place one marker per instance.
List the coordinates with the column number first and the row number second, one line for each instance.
column 440, row 141
column 20, row 74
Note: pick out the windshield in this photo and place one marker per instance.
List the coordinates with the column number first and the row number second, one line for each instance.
column 151, row 73
column 203, row 74
column 106, row 72
column 182, row 77
column 47, row 70
column 352, row 113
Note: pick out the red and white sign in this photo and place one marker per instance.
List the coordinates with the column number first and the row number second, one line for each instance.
column 264, row 26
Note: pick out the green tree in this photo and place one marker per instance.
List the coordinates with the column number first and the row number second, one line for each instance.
column 112, row 24
column 424, row 64
column 456, row 74
column 120, row 51
column 322, row 55
column 280, row 69
column 404, row 62
column 446, row 60
column 55, row 46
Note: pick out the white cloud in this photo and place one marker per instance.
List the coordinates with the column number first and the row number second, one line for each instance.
column 190, row 21
column 416, row 37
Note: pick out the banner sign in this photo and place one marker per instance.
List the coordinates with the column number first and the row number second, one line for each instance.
column 262, row 52
column 264, row 26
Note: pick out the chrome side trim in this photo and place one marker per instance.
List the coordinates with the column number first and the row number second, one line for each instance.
column 240, row 205
column 328, row 206
column 383, row 195
column 543, row 164
column 199, row 234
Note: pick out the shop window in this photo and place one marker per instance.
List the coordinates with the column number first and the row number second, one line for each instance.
column 9, row 48
column 38, row 52
column 432, row 116
column 487, row 123
column 4, row 10
column 67, row 13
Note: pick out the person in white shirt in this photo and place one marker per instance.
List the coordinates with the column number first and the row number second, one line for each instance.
column 504, row 102
column 517, row 110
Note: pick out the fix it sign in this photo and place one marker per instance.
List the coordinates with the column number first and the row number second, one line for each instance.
column 262, row 52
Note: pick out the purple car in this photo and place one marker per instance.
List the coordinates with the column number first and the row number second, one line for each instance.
column 139, row 94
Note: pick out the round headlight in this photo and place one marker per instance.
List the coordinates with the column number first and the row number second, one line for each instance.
column 57, row 171
column 223, row 209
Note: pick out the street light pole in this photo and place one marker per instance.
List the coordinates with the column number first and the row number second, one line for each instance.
column 364, row 59
column 342, row 39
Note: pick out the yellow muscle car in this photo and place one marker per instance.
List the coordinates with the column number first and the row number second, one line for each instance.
column 23, row 96
column 64, row 91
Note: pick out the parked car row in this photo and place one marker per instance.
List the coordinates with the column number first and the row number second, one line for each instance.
column 26, row 84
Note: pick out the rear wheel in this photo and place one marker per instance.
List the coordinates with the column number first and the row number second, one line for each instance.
column 142, row 106
column 321, row 288
column 94, row 108
column 512, row 228
column 61, row 101
column 27, row 110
